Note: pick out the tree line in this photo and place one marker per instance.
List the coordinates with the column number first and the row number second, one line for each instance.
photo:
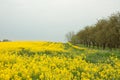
column 105, row 33
column 5, row 40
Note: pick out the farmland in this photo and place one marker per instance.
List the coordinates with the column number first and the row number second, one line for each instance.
column 41, row 60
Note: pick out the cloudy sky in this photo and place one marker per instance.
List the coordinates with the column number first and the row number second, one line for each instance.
column 50, row 19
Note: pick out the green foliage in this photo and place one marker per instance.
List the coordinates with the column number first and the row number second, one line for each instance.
column 98, row 57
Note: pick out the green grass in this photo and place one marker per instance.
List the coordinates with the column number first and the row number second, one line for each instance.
column 101, row 55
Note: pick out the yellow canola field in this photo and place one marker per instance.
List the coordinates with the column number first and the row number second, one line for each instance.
column 32, row 46
column 14, row 66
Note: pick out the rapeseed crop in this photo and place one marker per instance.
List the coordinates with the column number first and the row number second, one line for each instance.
column 54, row 61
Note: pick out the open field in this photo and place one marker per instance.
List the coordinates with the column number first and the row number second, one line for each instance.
column 56, row 61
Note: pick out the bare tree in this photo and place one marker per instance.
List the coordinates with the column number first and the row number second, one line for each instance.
column 69, row 36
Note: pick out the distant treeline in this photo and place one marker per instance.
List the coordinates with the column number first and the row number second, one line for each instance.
column 5, row 40
column 105, row 33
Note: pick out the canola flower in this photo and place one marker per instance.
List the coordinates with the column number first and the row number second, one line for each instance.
column 34, row 61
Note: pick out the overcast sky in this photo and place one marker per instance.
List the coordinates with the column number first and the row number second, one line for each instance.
column 50, row 19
